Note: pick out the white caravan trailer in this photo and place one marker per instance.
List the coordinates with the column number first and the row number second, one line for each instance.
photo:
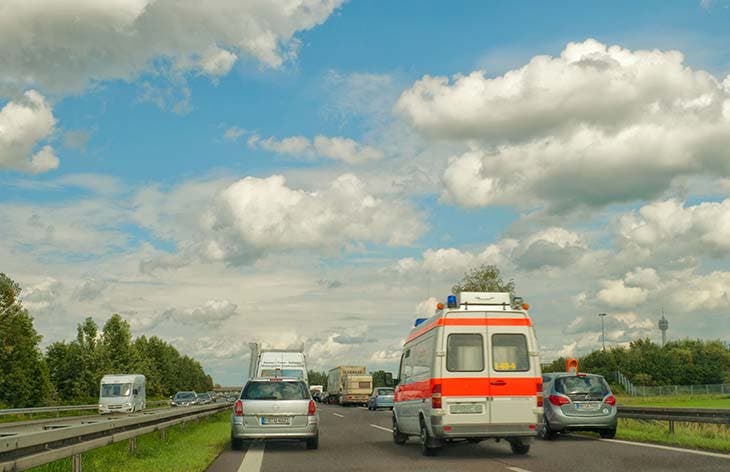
column 122, row 393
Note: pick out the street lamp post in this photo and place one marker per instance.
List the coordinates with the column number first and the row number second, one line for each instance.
column 603, row 331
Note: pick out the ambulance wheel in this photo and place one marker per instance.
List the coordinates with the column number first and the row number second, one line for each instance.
column 426, row 449
column 398, row 437
column 519, row 448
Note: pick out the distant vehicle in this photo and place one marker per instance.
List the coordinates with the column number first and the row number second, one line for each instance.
column 470, row 372
column 577, row 402
column 204, row 399
column 349, row 385
column 277, row 363
column 382, row 397
column 186, row 398
column 122, row 393
column 275, row 409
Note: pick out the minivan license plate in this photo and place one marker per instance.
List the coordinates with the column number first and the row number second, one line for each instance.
column 461, row 408
column 275, row 420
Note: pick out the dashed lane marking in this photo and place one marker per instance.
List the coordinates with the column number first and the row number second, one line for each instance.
column 669, row 448
column 338, row 415
column 254, row 458
column 517, row 469
column 382, row 427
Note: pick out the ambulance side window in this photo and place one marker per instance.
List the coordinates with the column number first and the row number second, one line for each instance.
column 421, row 358
column 405, row 369
column 465, row 353
column 509, row 353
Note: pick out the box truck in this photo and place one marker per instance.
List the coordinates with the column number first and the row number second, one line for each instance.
column 349, row 385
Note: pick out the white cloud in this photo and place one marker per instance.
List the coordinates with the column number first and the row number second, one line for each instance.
column 335, row 148
column 616, row 293
column 594, row 126
column 79, row 42
column 89, row 289
column 233, row 133
column 42, row 295
column 23, row 124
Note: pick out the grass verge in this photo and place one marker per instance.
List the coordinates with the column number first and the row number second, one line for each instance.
column 191, row 450
column 683, row 401
column 715, row 437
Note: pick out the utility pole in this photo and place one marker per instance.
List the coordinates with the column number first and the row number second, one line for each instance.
column 603, row 331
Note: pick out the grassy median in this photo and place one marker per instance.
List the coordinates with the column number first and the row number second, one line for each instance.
column 680, row 401
column 190, row 450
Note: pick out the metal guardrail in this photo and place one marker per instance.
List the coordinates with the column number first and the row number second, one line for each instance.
column 672, row 415
column 58, row 409
column 23, row 450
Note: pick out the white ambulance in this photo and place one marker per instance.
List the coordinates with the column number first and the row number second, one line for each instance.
column 471, row 371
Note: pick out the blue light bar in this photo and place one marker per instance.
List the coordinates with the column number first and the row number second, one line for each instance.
column 419, row 321
column 451, row 301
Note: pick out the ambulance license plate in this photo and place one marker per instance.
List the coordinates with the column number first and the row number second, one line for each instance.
column 275, row 420
column 465, row 408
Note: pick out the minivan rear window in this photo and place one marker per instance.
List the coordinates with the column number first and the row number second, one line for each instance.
column 275, row 391
column 465, row 353
column 509, row 353
column 591, row 387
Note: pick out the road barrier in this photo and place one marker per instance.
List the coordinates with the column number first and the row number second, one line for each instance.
column 58, row 409
column 672, row 415
column 59, row 439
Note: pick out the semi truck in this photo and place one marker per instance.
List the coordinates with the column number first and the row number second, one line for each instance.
column 349, row 385
column 277, row 363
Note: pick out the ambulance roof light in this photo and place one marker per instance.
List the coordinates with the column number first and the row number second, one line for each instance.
column 419, row 321
column 451, row 301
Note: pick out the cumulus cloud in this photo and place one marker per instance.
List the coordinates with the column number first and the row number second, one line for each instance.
column 80, row 42
column 616, row 293
column 335, row 148
column 42, row 295
column 23, row 124
column 454, row 262
column 212, row 313
column 89, row 290
column 594, row 126
column 552, row 247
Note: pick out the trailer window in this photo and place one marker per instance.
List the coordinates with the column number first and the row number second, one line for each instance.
column 465, row 353
column 509, row 353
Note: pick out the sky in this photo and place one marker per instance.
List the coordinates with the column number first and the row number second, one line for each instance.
column 319, row 173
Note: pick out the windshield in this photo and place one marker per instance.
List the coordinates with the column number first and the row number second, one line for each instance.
column 275, row 391
column 116, row 390
column 283, row 373
column 204, row 396
column 589, row 387
column 184, row 395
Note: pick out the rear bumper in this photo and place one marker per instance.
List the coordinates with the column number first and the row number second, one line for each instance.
column 239, row 430
column 561, row 422
column 457, row 431
column 105, row 410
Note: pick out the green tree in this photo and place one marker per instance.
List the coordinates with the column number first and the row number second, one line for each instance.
column 317, row 378
column 117, row 354
column 485, row 278
column 24, row 380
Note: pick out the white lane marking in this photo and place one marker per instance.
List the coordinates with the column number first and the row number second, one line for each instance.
column 337, row 414
column 254, row 458
column 382, row 427
column 669, row 448
column 517, row 469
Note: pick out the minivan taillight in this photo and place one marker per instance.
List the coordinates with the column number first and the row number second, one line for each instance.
column 558, row 400
column 238, row 408
column 436, row 396
column 538, row 389
column 610, row 400
column 312, row 408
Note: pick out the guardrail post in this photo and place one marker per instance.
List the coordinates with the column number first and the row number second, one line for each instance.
column 671, row 426
column 163, row 434
column 132, row 444
column 76, row 462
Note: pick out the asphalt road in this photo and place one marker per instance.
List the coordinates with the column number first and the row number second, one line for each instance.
column 355, row 439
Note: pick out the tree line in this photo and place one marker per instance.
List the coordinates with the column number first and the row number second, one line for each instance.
column 681, row 362
column 70, row 372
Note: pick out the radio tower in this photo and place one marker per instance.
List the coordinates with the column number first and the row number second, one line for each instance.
column 663, row 326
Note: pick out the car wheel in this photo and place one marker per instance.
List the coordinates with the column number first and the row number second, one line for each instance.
column 608, row 433
column 313, row 443
column 236, row 444
column 519, row 448
column 398, row 437
column 547, row 433
column 426, row 449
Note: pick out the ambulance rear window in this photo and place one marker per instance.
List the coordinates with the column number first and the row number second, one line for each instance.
column 509, row 353
column 465, row 353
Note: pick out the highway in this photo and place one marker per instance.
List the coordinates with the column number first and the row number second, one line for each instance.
column 360, row 440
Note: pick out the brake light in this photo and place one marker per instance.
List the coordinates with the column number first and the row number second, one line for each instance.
column 538, row 389
column 436, row 396
column 312, row 408
column 238, row 408
column 558, row 400
column 610, row 400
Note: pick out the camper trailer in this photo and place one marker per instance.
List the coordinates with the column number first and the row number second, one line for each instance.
column 122, row 394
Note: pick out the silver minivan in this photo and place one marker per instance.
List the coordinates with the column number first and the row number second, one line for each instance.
column 275, row 409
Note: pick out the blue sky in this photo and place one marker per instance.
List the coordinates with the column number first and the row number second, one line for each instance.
column 221, row 177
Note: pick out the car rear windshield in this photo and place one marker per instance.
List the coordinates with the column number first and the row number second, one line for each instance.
column 385, row 391
column 591, row 387
column 275, row 391
column 184, row 395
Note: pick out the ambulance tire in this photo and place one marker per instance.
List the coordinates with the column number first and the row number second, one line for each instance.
column 398, row 437
column 426, row 449
column 519, row 448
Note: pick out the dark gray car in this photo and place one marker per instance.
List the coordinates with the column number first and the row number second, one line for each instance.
column 577, row 402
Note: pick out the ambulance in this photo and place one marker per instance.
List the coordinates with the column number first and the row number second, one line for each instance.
column 470, row 372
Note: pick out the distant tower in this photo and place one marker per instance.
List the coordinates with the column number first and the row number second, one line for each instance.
column 663, row 326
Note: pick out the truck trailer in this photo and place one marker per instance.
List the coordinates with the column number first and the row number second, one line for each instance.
column 349, row 385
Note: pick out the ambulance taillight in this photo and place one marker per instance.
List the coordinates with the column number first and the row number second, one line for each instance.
column 539, row 394
column 436, row 396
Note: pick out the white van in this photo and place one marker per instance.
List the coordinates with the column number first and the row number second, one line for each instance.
column 277, row 363
column 471, row 372
column 122, row 393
